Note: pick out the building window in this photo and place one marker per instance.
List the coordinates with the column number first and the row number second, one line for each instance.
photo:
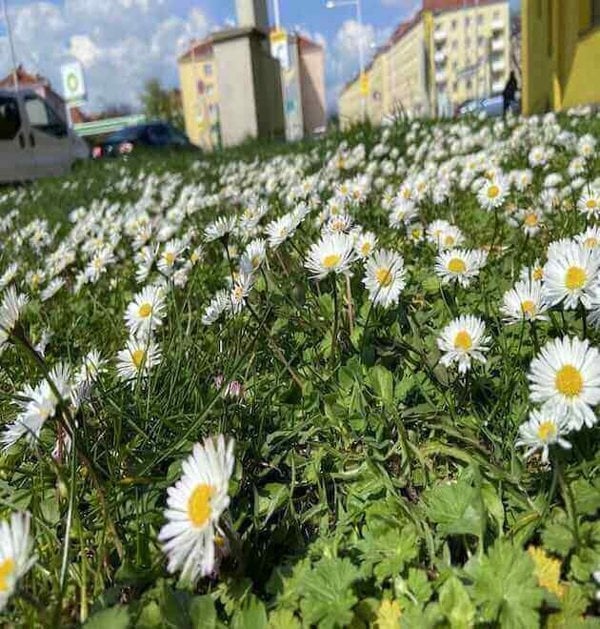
column 453, row 25
column 480, row 19
column 467, row 22
column 455, row 45
column 208, row 69
column 10, row 120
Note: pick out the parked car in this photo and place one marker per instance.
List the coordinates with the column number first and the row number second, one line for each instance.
column 491, row 107
column 149, row 135
column 34, row 140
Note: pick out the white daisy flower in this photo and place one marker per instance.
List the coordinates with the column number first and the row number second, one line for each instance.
column 544, row 428
column 253, row 256
column 589, row 202
column 280, row 230
column 462, row 341
column 9, row 275
column 364, row 244
column 571, row 274
column 11, row 308
column 138, row 358
column 217, row 306
column 567, row 373
column 524, row 302
column 402, row 213
column 460, row 265
column 239, row 292
column 385, row 277
column 170, row 255
column 147, row 310
column 492, row 194
column 53, row 287
column 220, row 228
column 590, row 238
column 16, row 556
column 195, row 505
column 334, row 253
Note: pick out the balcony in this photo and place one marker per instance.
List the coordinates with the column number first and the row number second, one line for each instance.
column 498, row 45
column 440, row 36
column 440, row 57
column 497, row 87
column 497, row 25
column 498, row 66
column 440, row 77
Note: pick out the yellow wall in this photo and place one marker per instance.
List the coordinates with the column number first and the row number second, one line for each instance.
column 200, row 111
column 561, row 55
column 350, row 105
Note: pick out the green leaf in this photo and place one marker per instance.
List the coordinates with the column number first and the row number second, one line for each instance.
column 328, row 596
column 454, row 507
column 112, row 618
column 382, row 383
column 253, row 615
column 505, row 587
column 558, row 538
column 455, row 603
column 283, row 619
column 203, row 613
column 387, row 549
column 587, row 496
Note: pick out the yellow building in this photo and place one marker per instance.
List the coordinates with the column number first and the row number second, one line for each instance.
column 449, row 52
column 199, row 93
column 561, row 54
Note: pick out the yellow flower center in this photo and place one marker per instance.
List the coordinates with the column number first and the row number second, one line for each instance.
column 576, row 277
column 145, row 310
column 332, row 260
column 198, row 507
column 456, row 265
column 169, row 257
column 538, row 273
column 591, row 242
column 255, row 262
column 591, row 204
column 463, row 341
column 528, row 307
column 449, row 240
column 138, row 357
column 493, row 192
column 569, row 381
column 383, row 276
column 531, row 220
column 6, row 569
column 546, row 431
column 365, row 248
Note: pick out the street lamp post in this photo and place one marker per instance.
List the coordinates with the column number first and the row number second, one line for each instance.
column 333, row 4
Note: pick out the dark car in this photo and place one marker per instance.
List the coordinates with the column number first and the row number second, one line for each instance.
column 149, row 135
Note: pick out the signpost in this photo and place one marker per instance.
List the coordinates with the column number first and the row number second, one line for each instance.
column 73, row 86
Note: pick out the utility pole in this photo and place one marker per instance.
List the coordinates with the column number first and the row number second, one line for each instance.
column 276, row 14
column 12, row 46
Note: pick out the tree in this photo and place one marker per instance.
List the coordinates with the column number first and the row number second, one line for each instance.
column 162, row 104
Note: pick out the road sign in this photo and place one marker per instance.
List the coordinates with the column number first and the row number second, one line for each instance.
column 73, row 82
column 279, row 47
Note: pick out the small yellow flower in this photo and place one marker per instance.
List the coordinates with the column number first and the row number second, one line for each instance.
column 388, row 615
column 547, row 571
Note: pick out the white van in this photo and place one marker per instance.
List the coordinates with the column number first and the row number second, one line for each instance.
column 34, row 140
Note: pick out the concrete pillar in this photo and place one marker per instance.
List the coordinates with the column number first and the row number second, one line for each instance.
column 252, row 14
column 250, row 103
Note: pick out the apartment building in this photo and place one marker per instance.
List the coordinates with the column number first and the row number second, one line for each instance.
column 561, row 54
column 199, row 93
column 450, row 51
column 198, row 76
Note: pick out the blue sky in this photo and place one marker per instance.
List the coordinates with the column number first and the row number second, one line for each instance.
column 122, row 43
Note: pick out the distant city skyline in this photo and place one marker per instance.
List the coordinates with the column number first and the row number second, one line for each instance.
column 123, row 43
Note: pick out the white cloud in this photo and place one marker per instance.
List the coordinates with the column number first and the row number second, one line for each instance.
column 343, row 54
column 120, row 43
